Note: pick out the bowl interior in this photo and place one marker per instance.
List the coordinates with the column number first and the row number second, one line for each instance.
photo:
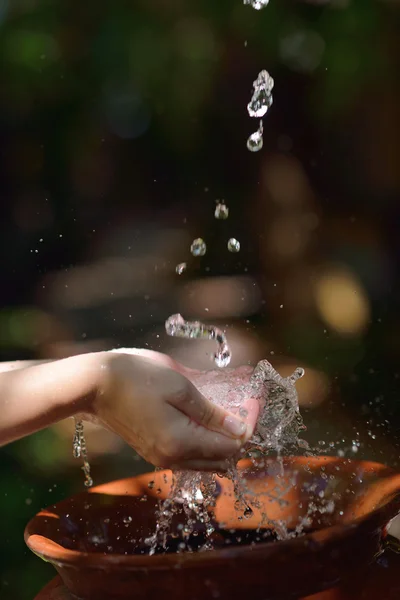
column 308, row 495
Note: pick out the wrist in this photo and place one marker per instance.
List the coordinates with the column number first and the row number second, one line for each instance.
column 95, row 382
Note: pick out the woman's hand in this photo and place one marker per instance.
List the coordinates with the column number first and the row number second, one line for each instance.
column 143, row 396
column 146, row 398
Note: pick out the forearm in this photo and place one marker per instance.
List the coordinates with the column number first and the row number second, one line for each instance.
column 36, row 396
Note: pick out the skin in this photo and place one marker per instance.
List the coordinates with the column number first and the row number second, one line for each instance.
column 143, row 396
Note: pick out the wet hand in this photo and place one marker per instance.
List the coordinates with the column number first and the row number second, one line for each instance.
column 147, row 399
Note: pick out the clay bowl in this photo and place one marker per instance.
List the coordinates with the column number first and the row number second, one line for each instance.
column 93, row 539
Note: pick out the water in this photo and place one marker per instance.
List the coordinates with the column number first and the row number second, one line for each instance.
column 221, row 211
column 258, row 107
column 79, row 451
column 278, row 427
column 257, row 4
column 279, row 422
column 255, row 141
column 198, row 247
column 233, row 245
column 262, row 99
column 176, row 326
column 181, row 268
column 198, row 540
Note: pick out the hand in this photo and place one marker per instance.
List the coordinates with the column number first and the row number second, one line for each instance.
column 146, row 398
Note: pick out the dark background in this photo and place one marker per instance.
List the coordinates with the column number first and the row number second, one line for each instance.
column 121, row 123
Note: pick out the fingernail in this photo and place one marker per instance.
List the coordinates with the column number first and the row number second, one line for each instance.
column 234, row 426
column 249, row 433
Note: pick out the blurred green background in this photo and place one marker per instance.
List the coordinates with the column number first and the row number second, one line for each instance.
column 121, row 123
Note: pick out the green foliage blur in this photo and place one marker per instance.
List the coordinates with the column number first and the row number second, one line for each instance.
column 134, row 113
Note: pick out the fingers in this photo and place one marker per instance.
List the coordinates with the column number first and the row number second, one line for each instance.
column 161, row 359
column 210, row 416
column 250, row 408
column 158, row 357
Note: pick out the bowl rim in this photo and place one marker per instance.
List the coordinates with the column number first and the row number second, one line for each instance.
column 52, row 552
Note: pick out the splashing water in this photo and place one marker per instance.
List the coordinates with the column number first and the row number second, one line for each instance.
column 176, row 326
column 262, row 99
column 257, row 4
column 277, row 428
column 79, row 451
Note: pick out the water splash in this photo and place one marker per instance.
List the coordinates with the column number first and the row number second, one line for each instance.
column 176, row 326
column 262, row 99
column 79, row 451
column 257, row 4
column 280, row 421
column 278, row 427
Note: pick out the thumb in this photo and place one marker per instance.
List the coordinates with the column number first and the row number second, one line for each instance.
column 210, row 416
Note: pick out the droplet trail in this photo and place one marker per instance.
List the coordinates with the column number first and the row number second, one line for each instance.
column 176, row 326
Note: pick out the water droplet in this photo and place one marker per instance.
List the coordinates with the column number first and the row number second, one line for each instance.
column 210, row 529
column 248, row 513
column 198, row 247
column 127, row 520
column 181, row 268
column 221, row 211
column 151, row 484
column 257, row 4
column 255, row 141
column 262, row 99
column 233, row 245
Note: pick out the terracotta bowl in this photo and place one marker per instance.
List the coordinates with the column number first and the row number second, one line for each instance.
column 343, row 506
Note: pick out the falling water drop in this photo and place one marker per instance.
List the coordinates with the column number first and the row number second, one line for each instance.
column 233, row 245
column 221, row 210
column 181, row 268
column 257, row 4
column 198, row 247
column 262, row 99
column 255, row 141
